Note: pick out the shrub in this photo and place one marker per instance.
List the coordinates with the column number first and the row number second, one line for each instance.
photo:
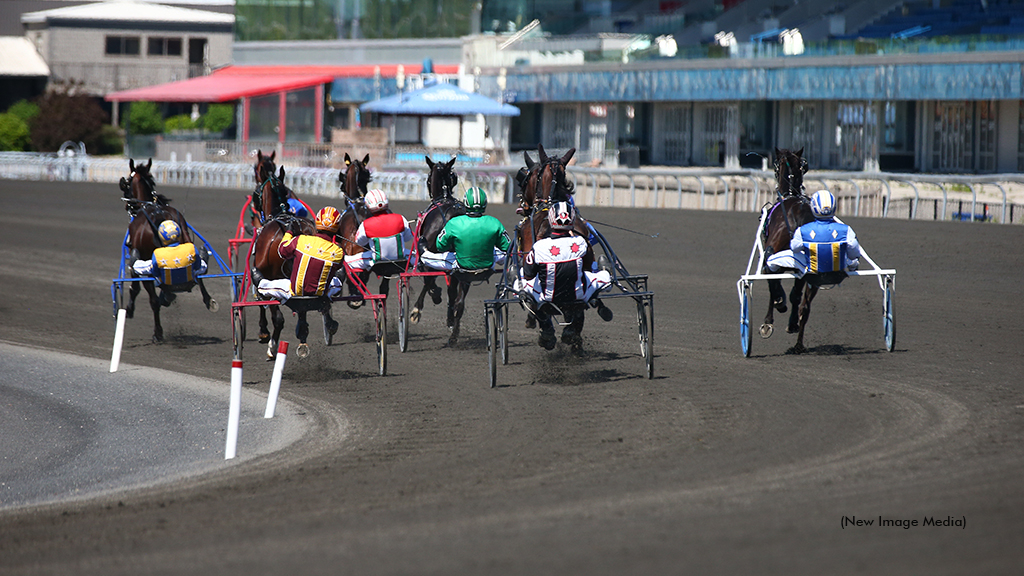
column 25, row 110
column 14, row 134
column 180, row 122
column 111, row 141
column 143, row 118
column 218, row 117
column 66, row 115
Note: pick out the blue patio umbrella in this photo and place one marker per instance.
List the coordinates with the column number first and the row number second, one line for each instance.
column 439, row 100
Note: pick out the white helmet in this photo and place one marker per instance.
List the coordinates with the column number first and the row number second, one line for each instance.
column 376, row 200
column 823, row 205
column 561, row 216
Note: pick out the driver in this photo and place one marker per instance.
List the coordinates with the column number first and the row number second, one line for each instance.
column 175, row 262
column 554, row 273
column 473, row 241
column 385, row 235
column 316, row 260
column 820, row 247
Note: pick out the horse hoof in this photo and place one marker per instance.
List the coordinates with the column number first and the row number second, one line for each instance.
column 767, row 330
column 264, row 338
column 271, row 352
column 453, row 340
column 792, row 329
column 414, row 316
column 531, row 322
column 605, row 313
column 797, row 349
column 435, row 296
column 158, row 338
column 302, row 351
column 780, row 305
column 213, row 306
column 355, row 304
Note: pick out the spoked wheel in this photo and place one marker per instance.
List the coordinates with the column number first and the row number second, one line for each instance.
column 645, row 325
column 491, row 328
column 403, row 314
column 117, row 291
column 888, row 321
column 328, row 337
column 382, row 339
column 237, row 330
column 502, row 319
column 746, row 335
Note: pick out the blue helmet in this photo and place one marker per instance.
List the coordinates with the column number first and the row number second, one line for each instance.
column 296, row 207
column 823, row 205
column 169, row 232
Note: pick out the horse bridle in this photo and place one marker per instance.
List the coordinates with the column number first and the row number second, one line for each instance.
column 449, row 179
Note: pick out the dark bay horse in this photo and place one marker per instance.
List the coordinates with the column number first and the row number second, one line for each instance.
column 545, row 180
column 355, row 181
column 791, row 211
column 264, row 260
column 441, row 183
column 148, row 209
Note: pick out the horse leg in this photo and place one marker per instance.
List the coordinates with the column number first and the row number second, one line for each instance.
column 385, row 285
column 573, row 333
column 429, row 285
column 302, row 332
column 155, row 303
column 453, row 297
column 264, row 331
column 460, row 307
column 278, row 318
column 805, row 313
column 794, row 298
column 129, row 310
column 210, row 303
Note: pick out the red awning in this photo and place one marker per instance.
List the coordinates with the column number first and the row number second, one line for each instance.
column 234, row 82
column 220, row 87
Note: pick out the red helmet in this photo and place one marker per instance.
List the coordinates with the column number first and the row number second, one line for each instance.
column 328, row 219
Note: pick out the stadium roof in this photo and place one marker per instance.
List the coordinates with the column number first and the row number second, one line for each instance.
column 18, row 57
column 129, row 11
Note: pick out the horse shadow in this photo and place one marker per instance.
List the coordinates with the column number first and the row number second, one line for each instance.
column 833, row 350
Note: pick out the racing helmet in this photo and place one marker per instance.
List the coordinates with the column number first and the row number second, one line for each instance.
column 561, row 216
column 823, row 205
column 328, row 219
column 376, row 200
column 476, row 201
column 169, row 232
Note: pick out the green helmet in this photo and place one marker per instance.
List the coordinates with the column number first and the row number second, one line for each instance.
column 476, row 200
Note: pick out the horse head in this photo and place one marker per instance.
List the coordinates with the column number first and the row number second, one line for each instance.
column 265, row 166
column 790, row 168
column 551, row 183
column 140, row 186
column 442, row 179
column 355, row 178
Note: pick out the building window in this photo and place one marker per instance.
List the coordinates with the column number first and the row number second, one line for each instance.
column 123, row 45
column 164, row 47
column 1020, row 138
column 986, row 114
column 805, row 132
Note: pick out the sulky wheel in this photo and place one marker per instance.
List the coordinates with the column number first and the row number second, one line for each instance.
column 888, row 320
column 237, row 331
column 491, row 328
column 382, row 340
column 746, row 335
column 403, row 314
column 645, row 326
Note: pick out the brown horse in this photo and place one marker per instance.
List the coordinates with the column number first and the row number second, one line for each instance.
column 355, row 180
column 544, row 181
column 264, row 260
column 792, row 210
column 148, row 209
column 441, row 183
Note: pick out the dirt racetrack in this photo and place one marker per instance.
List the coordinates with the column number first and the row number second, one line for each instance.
column 574, row 465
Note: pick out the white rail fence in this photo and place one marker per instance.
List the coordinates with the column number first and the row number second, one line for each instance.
column 884, row 195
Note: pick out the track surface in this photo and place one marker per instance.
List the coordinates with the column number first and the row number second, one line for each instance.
column 720, row 464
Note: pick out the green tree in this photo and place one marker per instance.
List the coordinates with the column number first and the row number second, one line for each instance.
column 218, row 117
column 14, row 133
column 180, row 122
column 65, row 114
column 143, row 118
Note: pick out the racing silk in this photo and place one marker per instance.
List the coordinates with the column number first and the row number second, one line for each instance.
column 473, row 239
column 315, row 260
column 557, row 265
column 178, row 264
column 826, row 246
column 387, row 237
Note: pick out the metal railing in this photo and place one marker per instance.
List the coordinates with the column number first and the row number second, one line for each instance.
column 880, row 195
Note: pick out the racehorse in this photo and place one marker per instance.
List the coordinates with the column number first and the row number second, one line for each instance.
column 545, row 181
column 264, row 260
column 441, row 182
column 355, row 180
column 545, row 184
column 791, row 211
column 148, row 209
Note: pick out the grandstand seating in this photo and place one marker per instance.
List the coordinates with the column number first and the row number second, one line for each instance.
column 957, row 18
